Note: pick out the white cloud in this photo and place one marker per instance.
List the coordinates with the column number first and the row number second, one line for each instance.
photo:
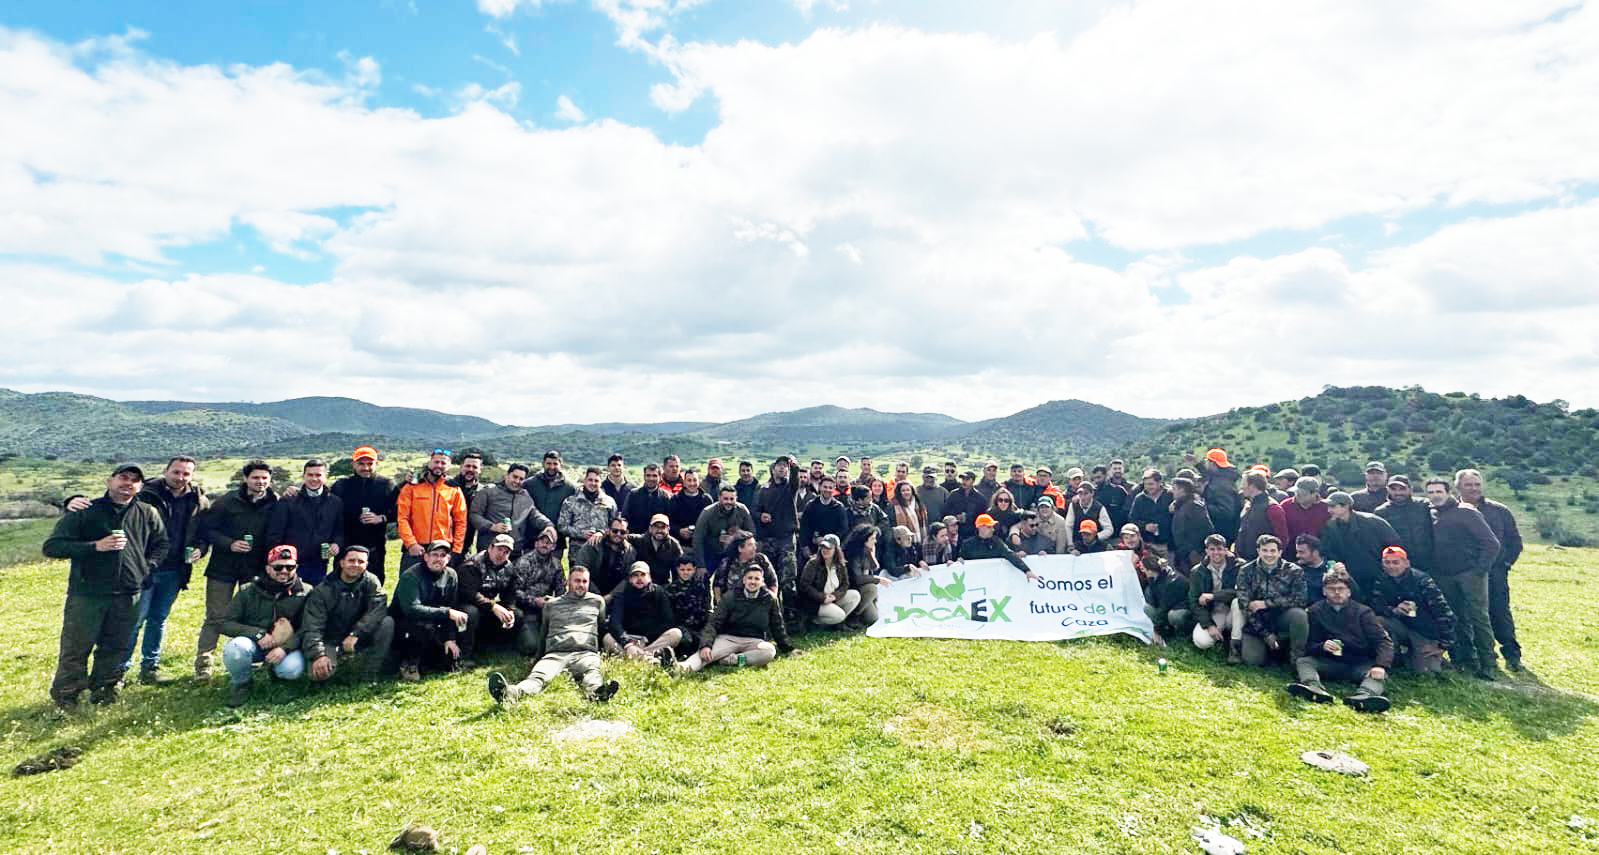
column 957, row 179
column 503, row 8
column 566, row 111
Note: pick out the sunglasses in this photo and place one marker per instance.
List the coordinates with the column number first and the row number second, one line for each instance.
column 444, row 451
column 618, row 531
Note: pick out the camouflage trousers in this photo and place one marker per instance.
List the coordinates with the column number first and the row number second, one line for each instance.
column 780, row 551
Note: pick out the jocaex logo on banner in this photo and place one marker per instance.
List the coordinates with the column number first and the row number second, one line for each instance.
column 1072, row 596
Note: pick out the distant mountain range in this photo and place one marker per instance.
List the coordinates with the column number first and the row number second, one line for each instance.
column 75, row 426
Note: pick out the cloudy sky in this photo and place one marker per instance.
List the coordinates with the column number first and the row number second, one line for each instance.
column 541, row 211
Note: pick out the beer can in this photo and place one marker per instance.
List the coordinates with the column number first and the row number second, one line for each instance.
column 327, row 549
column 117, row 532
column 249, row 539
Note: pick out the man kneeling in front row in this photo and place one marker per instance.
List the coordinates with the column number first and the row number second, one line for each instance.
column 264, row 620
column 1347, row 642
column 573, row 624
column 739, row 628
column 347, row 616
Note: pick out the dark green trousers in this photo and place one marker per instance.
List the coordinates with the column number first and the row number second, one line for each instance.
column 99, row 625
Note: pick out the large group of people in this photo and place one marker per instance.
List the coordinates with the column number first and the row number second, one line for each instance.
column 689, row 571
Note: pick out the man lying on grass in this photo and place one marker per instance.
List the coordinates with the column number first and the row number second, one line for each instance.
column 573, row 624
column 1346, row 642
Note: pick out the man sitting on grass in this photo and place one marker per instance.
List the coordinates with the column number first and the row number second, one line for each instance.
column 1413, row 610
column 431, row 624
column 1346, row 642
column 573, row 623
column 642, row 626
column 1167, row 600
column 1273, row 591
column 744, row 620
column 347, row 615
column 1213, row 600
column 690, row 591
column 264, row 620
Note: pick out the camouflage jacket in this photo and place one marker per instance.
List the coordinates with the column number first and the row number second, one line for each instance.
column 1281, row 587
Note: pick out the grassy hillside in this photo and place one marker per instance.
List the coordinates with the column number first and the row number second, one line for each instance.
column 66, row 425
column 1057, row 431
column 861, row 746
column 345, row 415
column 1541, row 456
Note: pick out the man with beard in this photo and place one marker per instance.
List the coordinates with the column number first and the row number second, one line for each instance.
column 432, row 626
column 687, row 505
column 366, row 500
column 466, row 480
column 647, row 501
column 311, row 520
column 1220, row 493
column 507, row 508
column 951, row 482
column 672, row 474
column 1022, row 488
column 573, row 625
column 539, row 577
column 1151, row 512
column 738, row 631
column 430, row 510
column 1306, row 512
column 607, row 557
column 113, row 544
column 966, row 505
column 1190, row 525
column 550, row 490
column 1356, row 539
column 586, row 513
column 264, row 620
column 747, row 487
column 347, row 615
column 718, row 524
column 1346, row 641
column 236, row 526
column 931, row 495
column 1376, row 493
column 1113, row 497
column 1411, row 518
column 658, row 548
column 1414, row 611
column 641, row 625
column 712, row 482
column 181, row 505
column 989, row 483
column 488, row 584
column 1084, row 506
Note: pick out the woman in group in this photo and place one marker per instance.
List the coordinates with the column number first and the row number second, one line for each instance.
column 909, row 512
column 742, row 553
column 879, row 495
column 905, row 557
column 1002, row 507
column 824, row 585
column 860, row 557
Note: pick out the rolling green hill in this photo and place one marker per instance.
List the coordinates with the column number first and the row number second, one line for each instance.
column 833, row 427
column 62, row 424
column 1059, row 430
column 345, row 415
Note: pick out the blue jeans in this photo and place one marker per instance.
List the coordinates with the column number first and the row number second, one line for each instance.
column 155, row 603
column 240, row 653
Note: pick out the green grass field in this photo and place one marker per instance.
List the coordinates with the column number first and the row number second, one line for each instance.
column 863, row 745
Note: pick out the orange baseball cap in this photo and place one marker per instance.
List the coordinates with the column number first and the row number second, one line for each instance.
column 985, row 520
column 1088, row 526
column 1218, row 457
column 365, row 452
column 1396, row 550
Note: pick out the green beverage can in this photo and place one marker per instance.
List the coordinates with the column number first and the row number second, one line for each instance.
column 365, row 511
column 117, row 532
column 249, row 540
column 507, row 522
column 327, row 550
column 743, row 660
column 1337, row 647
column 1162, row 664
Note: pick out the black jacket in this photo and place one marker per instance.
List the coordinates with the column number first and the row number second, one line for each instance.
column 180, row 516
column 467, row 492
column 1503, row 524
column 1412, row 521
column 100, row 574
column 1157, row 510
column 1434, row 618
column 1116, row 502
column 968, row 502
column 1359, row 543
column 644, row 503
column 822, row 518
column 739, row 614
column 646, row 612
column 1462, row 541
column 355, row 493
column 1191, row 523
column 776, row 499
column 306, row 522
column 231, row 518
column 337, row 608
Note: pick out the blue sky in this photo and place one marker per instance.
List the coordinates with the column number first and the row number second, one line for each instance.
column 1100, row 178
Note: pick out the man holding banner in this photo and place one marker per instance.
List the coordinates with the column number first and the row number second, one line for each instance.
column 986, row 545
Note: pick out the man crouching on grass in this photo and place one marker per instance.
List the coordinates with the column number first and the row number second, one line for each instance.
column 739, row 628
column 1347, row 642
column 573, row 624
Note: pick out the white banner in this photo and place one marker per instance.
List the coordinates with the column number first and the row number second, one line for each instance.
column 1073, row 596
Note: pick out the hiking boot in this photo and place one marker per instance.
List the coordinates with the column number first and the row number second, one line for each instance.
column 106, row 694
column 463, row 665
column 202, row 669
column 1366, row 702
column 604, row 693
column 410, row 671
column 1235, row 655
column 238, row 693
column 1513, row 665
column 67, row 703
column 1313, row 692
column 500, row 688
column 1491, row 674
column 150, row 675
column 667, row 660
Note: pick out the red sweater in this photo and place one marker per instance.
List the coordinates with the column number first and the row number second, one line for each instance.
column 1300, row 520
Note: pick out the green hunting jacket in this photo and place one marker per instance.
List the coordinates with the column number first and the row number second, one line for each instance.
column 259, row 604
column 104, row 574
